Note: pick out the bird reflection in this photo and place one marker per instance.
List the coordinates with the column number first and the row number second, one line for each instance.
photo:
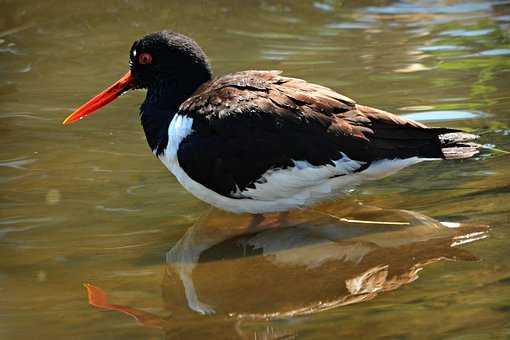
column 231, row 270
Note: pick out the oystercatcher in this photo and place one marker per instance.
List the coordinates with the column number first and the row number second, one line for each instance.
column 258, row 141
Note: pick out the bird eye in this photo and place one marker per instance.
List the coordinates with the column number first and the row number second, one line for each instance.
column 145, row 58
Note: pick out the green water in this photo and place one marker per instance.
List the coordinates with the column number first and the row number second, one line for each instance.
column 89, row 203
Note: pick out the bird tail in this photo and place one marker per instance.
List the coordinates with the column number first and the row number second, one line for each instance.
column 458, row 145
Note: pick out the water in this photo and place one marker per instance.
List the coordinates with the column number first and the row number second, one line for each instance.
column 89, row 203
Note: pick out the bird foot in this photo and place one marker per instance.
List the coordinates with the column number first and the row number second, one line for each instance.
column 259, row 221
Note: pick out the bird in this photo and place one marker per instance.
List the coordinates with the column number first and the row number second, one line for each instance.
column 260, row 142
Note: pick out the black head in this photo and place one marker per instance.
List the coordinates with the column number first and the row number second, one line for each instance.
column 170, row 65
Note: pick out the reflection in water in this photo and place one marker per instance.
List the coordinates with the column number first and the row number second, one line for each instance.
column 314, row 261
column 91, row 204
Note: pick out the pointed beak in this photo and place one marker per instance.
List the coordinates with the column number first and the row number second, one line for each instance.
column 122, row 85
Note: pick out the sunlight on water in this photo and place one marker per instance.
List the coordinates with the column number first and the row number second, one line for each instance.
column 443, row 115
column 89, row 203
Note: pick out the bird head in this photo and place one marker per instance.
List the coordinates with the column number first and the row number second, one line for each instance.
column 170, row 65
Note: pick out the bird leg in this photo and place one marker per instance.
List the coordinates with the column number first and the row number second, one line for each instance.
column 257, row 220
column 283, row 218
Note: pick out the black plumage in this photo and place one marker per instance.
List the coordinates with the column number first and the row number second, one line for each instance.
column 247, row 123
column 247, row 126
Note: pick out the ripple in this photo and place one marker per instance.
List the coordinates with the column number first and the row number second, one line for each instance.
column 12, row 224
column 132, row 233
column 443, row 115
column 412, row 68
column 503, row 18
column 25, row 69
column 468, row 238
column 14, row 30
column 17, row 163
column 504, row 132
column 266, row 35
column 417, row 108
column 276, row 54
column 133, row 273
column 323, row 6
column 19, row 220
column 495, row 52
column 313, row 48
column 127, row 246
column 122, row 210
column 442, row 48
column 22, row 115
column 310, row 62
column 10, row 50
column 467, row 33
column 349, row 25
column 407, row 8
column 131, row 190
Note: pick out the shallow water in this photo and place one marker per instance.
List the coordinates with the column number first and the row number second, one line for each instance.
column 89, row 203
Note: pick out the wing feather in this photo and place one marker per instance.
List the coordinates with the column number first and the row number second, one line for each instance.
column 249, row 123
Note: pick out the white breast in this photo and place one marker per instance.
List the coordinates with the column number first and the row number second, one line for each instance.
column 278, row 189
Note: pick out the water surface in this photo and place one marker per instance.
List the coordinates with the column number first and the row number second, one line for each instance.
column 89, row 203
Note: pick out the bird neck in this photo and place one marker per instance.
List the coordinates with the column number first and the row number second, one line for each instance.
column 162, row 103
column 155, row 123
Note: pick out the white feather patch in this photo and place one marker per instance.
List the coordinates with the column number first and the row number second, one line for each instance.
column 179, row 128
column 289, row 182
column 278, row 189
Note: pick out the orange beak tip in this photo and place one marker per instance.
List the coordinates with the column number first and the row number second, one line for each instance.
column 70, row 119
column 103, row 98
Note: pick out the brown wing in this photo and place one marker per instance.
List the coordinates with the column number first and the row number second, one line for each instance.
column 249, row 122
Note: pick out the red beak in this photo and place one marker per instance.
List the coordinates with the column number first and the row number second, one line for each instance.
column 122, row 85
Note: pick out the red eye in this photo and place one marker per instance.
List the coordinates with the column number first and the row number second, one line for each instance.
column 145, row 58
